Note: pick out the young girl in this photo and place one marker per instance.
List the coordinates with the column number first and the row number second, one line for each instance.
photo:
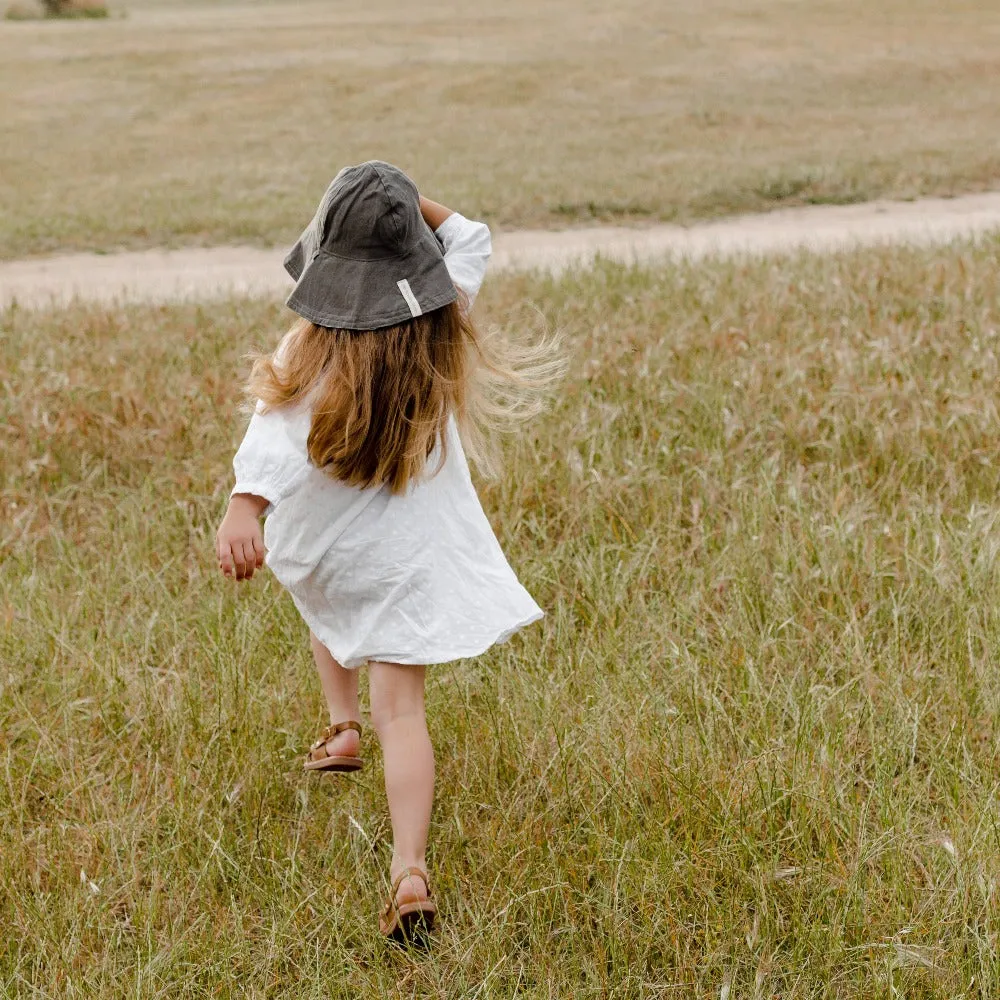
column 355, row 455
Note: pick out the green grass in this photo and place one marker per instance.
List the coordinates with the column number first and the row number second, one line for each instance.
column 203, row 122
column 753, row 743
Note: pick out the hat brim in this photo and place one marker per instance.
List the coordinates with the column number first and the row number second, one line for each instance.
column 346, row 294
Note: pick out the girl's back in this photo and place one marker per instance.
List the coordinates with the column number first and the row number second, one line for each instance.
column 379, row 573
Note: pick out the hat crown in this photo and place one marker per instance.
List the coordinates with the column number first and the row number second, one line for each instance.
column 370, row 212
column 368, row 259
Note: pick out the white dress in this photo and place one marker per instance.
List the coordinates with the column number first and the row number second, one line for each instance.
column 412, row 578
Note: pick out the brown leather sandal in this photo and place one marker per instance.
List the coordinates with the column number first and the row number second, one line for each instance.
column 405, row 921
column 319, row 760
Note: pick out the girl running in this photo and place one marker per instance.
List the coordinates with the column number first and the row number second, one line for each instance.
column 356, row 455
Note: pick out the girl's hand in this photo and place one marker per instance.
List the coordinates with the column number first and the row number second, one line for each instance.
column 239, row 542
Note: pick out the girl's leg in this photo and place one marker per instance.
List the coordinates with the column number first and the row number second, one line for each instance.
column 341, row 689
column 397, row 710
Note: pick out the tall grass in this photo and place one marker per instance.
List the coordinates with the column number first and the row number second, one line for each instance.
column 751, row 752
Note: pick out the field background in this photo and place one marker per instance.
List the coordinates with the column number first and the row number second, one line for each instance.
column 752, row 751
column 752, row 746
column 208, row 123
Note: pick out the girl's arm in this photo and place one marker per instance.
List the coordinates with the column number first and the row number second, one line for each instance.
column 467, row 245
column 268, row 465
column 433, row 213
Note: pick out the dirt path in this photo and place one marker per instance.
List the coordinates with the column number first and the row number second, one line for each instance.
column 164, row 275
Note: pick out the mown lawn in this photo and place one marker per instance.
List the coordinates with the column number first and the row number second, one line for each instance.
column 214, row 122
column 753, row 746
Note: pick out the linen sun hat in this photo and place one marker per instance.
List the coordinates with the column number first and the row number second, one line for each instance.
column 368, row 260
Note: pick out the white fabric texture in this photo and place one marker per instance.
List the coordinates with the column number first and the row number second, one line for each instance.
column 416, row 578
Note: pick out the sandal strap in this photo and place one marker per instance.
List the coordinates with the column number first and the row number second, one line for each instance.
column 407, row 873
column 328, row 734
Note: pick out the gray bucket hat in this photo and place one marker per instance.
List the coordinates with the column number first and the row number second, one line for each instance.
column 368, row 260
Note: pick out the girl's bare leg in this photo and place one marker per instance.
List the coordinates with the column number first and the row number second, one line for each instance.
column 397, row 708
column 340, row 686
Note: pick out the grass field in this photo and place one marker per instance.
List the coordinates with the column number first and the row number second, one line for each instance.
column 753, row 746
column 200, row 123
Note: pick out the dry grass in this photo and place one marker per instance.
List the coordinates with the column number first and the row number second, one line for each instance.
column 754, row 743
column 209, row 122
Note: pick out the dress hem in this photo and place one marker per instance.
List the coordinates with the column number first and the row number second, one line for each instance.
column 435, row 659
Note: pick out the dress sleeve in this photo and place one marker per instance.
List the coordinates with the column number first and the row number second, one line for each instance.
column 272, row 460
column 467, row 248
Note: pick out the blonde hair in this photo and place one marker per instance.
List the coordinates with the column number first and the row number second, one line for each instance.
column 381, row 399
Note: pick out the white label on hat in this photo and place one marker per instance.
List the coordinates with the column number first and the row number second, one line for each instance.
column 411, row 299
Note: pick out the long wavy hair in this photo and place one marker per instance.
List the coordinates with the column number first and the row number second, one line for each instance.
column 381, row 399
